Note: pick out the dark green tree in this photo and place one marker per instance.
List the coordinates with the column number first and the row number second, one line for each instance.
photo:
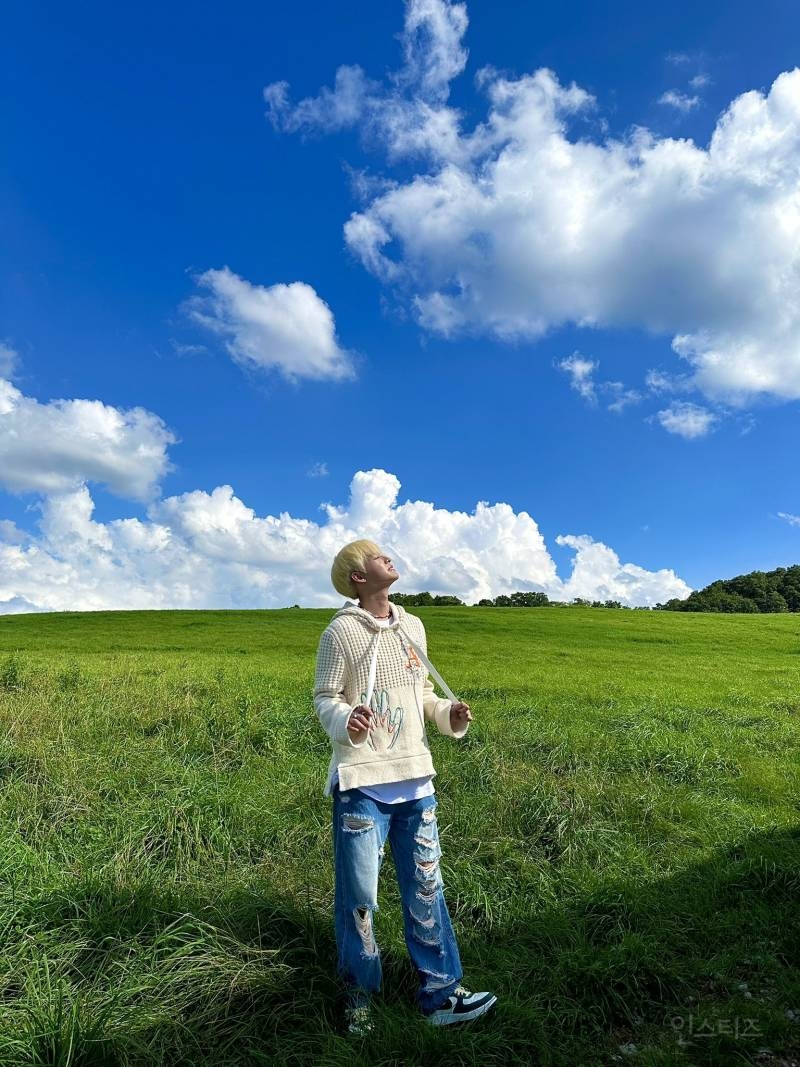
column 529, row 600
column 759, row 591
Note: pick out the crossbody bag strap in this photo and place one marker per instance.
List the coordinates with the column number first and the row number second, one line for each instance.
column 445, row 687
column 373, row 663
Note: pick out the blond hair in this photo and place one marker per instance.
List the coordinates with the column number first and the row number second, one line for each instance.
column 352, row 557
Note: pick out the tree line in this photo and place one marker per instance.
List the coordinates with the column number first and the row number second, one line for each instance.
column 754, row 593
column 514, row 600
column 757, row 592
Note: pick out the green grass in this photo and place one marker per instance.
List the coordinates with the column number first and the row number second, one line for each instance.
column 620, row 832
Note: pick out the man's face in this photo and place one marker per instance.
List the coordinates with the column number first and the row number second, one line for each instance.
column 379, row 572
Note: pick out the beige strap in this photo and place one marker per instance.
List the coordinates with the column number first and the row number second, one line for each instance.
column 446, row 688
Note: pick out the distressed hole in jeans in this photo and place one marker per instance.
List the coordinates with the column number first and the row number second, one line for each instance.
column 356, row 824
column 427, row 888
column 428, row 815
column 426, row 867
column 436, row 981
column 427, row 894
column 426, row 937
column 363, row 918
column 428, row 922
column 429, row 879
column 427, row 875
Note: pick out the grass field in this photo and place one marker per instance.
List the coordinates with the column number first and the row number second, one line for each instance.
column 621, row 837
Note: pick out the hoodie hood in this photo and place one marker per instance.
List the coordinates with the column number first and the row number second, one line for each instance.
column 368, row 620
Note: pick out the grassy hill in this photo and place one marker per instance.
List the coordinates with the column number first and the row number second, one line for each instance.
column 620, row 832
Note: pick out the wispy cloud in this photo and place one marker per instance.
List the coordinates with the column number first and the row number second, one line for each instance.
column 319, row 470
column 793, row 520
column 680, row 101
column 580, row 371
column 9, row 360
column 621, row 396
column 187, row 349
column 687, row 420
column 658, row 381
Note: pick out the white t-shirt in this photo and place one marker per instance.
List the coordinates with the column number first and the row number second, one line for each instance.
column 397, row 792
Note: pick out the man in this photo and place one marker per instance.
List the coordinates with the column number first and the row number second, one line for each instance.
column 373, row 697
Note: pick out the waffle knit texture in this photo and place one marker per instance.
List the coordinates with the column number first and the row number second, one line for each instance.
column 403, row 699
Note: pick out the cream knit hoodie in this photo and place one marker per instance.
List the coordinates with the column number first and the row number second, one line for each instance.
column 403, row 698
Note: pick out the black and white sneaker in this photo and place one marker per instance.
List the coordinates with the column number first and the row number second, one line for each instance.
column 461, row 1007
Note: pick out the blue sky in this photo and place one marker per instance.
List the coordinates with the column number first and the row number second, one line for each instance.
column 575, row 307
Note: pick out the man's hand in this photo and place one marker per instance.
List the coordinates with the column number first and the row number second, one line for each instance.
column 459, row 714
column 361, row 721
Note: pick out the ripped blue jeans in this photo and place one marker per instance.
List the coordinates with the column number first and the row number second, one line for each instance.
column 361, row 827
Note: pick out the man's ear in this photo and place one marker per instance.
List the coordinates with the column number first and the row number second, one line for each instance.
column 358, row 577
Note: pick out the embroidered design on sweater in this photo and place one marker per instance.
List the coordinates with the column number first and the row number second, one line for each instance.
column 388, row 719
column 413, row 659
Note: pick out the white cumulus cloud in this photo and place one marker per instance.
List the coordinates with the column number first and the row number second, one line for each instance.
column 287, row 328
column 17, row 606
column 204, row 550
column 597, row 574
column 528, row 220
column 56, row 446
